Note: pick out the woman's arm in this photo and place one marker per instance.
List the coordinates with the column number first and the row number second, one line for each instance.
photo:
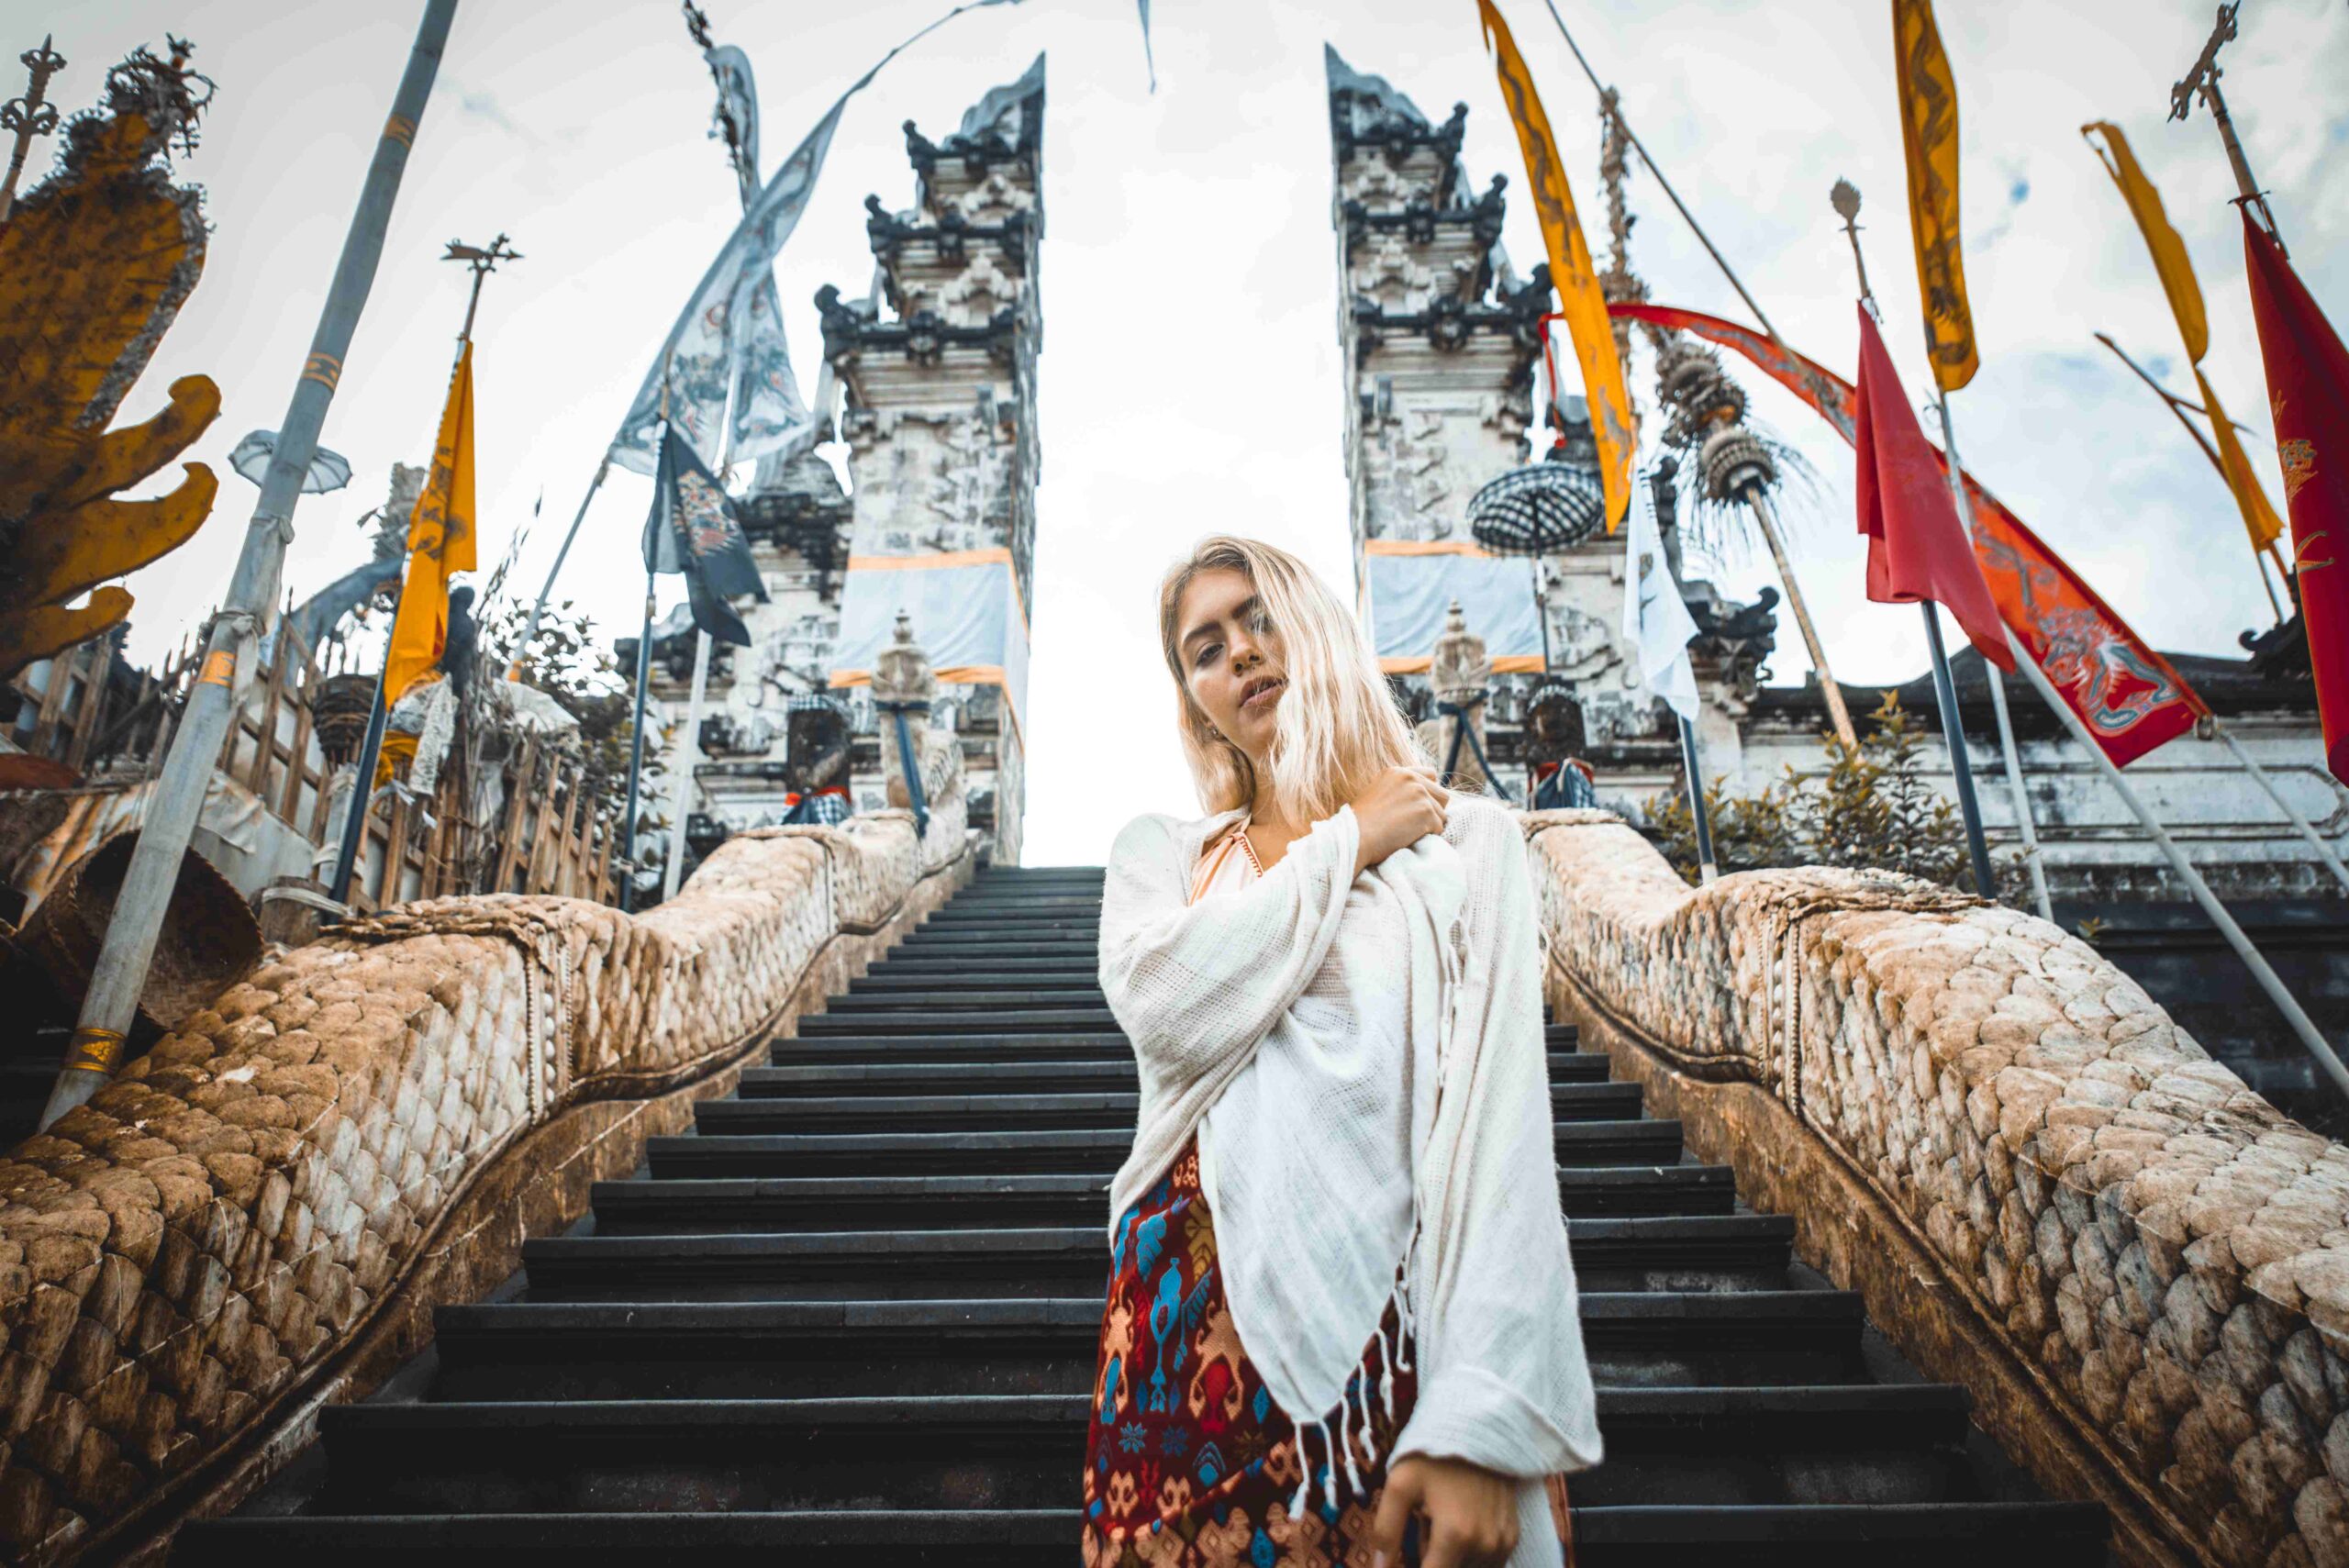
column 1191, row 985
column 1504, row 1383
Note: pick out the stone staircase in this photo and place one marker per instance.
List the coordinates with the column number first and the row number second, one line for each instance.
column 851, row 1319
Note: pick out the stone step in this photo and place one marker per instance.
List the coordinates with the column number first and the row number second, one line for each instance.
column 967, row 909
column 797, row 1080
column 1837, row 1444
column 798, row 1204
column 1917, row 1535
column 984, row 950
column 930, row 974
column 1030, row 1110
column 944, row 1349
column 997, row 1046
column 1029, row 934
column 1714, row 1253
column 987, row 996
column 1086, row 1152
column 985, row 927
column 903, row 1020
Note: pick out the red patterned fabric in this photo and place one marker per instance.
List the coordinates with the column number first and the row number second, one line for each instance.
column 1189, row 1463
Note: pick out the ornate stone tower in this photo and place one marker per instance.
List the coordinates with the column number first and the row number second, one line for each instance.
column 797, row 519
column 1440, row 345
column 938, row 367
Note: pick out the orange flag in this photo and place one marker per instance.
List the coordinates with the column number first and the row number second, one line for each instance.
column 440, row 543
column 2259, row 518
column 1571, row 273
column 1929, row 138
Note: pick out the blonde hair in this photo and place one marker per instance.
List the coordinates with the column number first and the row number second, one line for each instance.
column 1336, row 728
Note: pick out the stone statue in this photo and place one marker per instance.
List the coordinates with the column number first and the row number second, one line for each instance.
column 1458, row 674
column 902, row 689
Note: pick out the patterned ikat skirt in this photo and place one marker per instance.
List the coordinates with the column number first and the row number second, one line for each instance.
column 1188, row 1464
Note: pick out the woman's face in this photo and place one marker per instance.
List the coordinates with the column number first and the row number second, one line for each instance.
column 1232, row 658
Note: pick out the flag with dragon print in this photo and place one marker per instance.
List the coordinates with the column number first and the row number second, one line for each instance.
column 2128, row 695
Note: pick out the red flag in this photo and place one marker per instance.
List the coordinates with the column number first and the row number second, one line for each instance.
column 2308, row 389
column 2129, row 696
column 1916, row 547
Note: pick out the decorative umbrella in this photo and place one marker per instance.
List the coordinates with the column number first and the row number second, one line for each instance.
column 1540, row 508
column 329, row 471
column 1544, row 506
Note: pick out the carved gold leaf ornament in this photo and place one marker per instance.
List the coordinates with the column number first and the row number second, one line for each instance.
column 94, row 263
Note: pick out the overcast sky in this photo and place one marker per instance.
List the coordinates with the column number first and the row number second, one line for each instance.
column 1190, row 371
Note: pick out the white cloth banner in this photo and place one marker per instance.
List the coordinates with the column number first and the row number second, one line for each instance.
column 1410, row 597
column 1655, row 618
column 964, row 613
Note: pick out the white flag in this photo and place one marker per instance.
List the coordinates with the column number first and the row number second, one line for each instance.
column 1655, row 619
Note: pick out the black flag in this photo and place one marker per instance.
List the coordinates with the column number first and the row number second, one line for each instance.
column 692, row 528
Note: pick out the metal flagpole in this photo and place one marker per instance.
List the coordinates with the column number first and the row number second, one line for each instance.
column 2204, row 79
column 688, row 749
column 636, row 749
column 1845, row 199
column 371, row 749
column 1997, row 679
column 2260, row 775
column 1708, row 870
column 120, row 971
column 2295, row 1016
column 30, row 116
column 2178, row 406
column 530, row 627
column 1977, row 850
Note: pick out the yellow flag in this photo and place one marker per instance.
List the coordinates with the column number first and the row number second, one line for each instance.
column 2152, row 222
column 1576, row 281
column 2259, row 518
column 439, row 543
column 1929, row 138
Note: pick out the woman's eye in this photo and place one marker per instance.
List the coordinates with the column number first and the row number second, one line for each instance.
column 1205, row 655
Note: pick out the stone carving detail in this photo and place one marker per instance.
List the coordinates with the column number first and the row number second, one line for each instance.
column 2166, row 1252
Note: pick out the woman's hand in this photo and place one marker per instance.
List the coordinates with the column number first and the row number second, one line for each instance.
column 1400, row 807
column 1470, row 1514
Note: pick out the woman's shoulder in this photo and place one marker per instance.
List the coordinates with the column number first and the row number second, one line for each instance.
column 1158, row 835
column 1480, row 817
column 1480, row 826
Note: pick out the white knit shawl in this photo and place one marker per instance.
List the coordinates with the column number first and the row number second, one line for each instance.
column 1363, row 1061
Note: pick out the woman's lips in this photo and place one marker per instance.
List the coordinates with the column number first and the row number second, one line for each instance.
column 1262, row 694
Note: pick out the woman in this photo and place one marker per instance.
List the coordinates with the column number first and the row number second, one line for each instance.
column 1341, row 1310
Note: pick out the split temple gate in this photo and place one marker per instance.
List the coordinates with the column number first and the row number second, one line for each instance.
column 1910, row 1229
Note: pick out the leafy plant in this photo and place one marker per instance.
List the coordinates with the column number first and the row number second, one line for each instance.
column 566, row 662
column 1872, row 809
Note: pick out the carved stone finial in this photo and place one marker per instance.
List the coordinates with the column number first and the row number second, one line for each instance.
column 1458, row 673
column 1458, row 668
column 901, row 672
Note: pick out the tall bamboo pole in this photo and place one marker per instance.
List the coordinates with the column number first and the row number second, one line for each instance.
column 120, row 971
column 2178, row 407
column 1763, row 514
